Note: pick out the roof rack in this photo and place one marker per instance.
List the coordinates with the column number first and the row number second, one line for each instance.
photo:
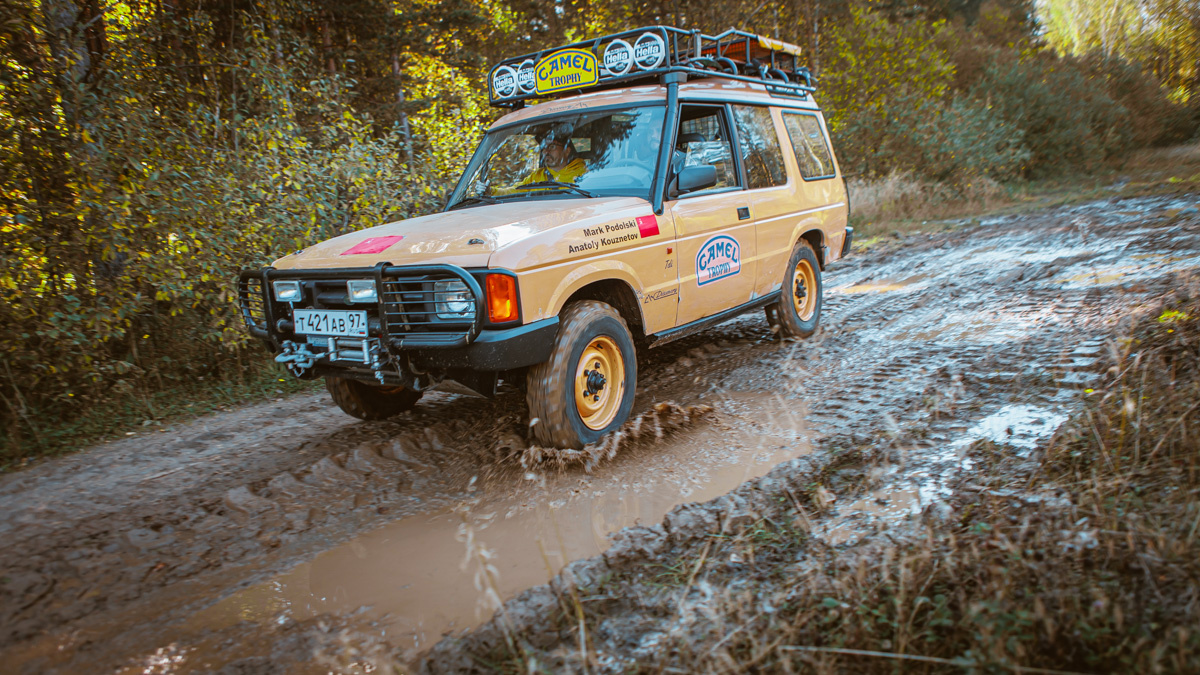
column 645, row 54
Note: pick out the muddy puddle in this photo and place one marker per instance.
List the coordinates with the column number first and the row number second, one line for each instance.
column 421, row 577
column 908, row 283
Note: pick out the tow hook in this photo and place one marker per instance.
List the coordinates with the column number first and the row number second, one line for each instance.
column 297, row 357
column 375, row 360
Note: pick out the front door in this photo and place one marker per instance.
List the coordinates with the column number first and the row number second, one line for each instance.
column 714, row 227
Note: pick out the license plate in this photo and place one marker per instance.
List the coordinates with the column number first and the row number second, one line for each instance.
column 330, row 322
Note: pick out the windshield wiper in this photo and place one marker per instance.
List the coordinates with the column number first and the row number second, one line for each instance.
column 557, row 184
column 481, row 199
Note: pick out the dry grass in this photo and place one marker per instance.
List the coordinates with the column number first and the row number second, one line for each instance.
column 1180, row 162
column 902, row 202
column 1082, row 558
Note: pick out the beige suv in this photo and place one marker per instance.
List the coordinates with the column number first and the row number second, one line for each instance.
column 674, row 180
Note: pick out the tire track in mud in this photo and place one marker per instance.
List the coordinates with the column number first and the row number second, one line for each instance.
column 1008, row 329
column 918, row 343
column 122, row 549
column 99, row 549
column 915, row 369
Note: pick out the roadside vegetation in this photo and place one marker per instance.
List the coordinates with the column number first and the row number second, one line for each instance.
column 1080, row 557
column 149, row 152
column 135, row 412
column 901, row 203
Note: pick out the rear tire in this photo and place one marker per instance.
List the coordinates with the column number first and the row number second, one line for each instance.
column 798, row 312
column 585, row 389
column 367, row 402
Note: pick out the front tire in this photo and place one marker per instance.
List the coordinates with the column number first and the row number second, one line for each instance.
column 798, row 312
column 585, row 389
column 367, row 402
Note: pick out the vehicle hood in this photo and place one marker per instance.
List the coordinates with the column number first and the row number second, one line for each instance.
column 446, row 237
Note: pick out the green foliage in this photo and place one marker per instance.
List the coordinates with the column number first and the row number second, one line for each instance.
column 966, row 140
column 132, row 195
column 880, row 78
column 1153, row 118
column 1068, row 118
column 890, row 103
column 952, row 104
column 1163, row 36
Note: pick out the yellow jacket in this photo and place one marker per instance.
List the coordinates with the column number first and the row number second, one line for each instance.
column 566, row 174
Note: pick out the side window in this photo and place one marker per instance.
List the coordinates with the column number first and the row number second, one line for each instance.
column 760, row 147
column 703, row 139
column 812, row 152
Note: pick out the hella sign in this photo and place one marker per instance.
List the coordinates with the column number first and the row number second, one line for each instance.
column 618, row 57
column 504, row 82
column 649, row 51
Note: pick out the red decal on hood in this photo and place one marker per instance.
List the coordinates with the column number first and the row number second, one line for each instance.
column 373, row 245
column 647, row 226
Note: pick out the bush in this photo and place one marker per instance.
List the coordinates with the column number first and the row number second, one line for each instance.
column 125, row 218
column 879, row 77
column 958, row 142
column 891, row 108
column 1068, row 119
column 1154, row 119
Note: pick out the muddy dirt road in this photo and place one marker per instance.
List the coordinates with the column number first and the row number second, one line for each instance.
column 247, row 541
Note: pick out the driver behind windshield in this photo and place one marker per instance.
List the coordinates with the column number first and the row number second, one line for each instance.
column 559, row 162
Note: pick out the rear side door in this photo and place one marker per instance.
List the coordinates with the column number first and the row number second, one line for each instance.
column 774, row 200
column 821, row 190
column 714, row 230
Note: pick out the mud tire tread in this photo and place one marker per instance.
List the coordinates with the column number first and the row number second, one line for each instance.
column 548, row 390
column 783, row 314
column 366, row 402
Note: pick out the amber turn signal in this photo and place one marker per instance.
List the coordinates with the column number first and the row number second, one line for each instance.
column 502, row 298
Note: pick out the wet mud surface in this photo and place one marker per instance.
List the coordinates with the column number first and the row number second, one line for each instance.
column 249, row 540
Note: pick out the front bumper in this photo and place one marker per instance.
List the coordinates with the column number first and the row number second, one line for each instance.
column 407, row 342
column 496, row 350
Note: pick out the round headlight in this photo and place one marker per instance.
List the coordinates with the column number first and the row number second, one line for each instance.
column 453, row 300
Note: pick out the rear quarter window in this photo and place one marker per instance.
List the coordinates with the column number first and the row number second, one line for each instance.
column 761, row 154
column 808, row 142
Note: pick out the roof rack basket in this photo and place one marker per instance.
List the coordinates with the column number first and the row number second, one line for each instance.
column 643, row 54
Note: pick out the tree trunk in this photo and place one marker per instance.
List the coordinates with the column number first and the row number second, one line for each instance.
column 815, row 22
column 408, row 147
column 327, row 42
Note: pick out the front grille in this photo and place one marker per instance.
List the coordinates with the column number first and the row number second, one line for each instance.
column 410, row 305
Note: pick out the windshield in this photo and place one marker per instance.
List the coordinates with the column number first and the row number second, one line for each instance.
column 590, row 154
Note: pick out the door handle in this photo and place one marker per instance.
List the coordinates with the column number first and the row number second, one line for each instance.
column 743, row 212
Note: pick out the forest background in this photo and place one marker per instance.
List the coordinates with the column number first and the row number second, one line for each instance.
column 151, row 149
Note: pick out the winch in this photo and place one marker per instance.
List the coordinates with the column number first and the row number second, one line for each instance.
column 300, row 357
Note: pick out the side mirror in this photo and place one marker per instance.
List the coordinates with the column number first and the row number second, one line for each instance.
column 698, row 177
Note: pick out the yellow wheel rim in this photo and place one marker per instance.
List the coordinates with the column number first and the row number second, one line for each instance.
column 599, row 383
column 804, row 290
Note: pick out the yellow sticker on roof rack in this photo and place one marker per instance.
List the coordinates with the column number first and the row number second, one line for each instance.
column 566, row 69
